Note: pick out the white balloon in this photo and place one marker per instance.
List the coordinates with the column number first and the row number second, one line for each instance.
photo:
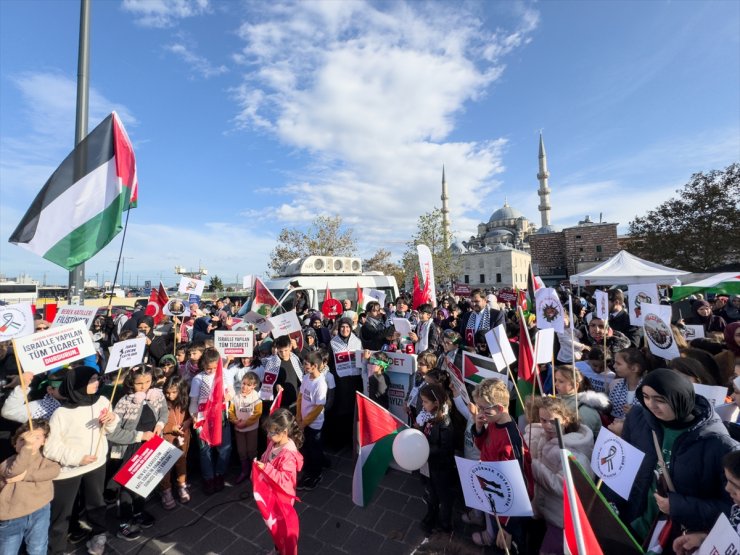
column 410, row 449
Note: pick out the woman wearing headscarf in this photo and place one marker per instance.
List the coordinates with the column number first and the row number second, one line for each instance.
column 156, row 345
column 731, row 311
column 692, row 441
column 703, row 317
column 77, row 442
column 348, row 378
column 729, row 359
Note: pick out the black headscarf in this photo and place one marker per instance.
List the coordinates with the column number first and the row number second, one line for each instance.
column 678, row 391
column 341, row 322
column 74, row 387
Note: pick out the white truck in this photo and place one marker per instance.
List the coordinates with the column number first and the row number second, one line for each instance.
column 313, row 274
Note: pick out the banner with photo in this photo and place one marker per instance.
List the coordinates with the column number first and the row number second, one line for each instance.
column 639, row 294
column 191, row 286
column 549, row 309
column 657, row 328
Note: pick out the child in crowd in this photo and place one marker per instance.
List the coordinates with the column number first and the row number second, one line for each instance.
column 498, row 438
column 310, row 417
column 200, row 392
column 282, row 461
column 244, row 413
column 26, row 491
column 144, row 414
column 181, row 356
column 177, row 432
column 630, row 365
column 425, row 361
column 547, row 464
column 168, row 365
column 596, row 369
column 439, row 433
column 378, row 380
column 572, row 388
column 192, row 366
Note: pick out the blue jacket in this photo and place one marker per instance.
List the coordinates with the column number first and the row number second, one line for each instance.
column 695, row 467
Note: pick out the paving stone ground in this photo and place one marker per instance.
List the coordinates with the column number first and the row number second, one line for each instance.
column 228, row 523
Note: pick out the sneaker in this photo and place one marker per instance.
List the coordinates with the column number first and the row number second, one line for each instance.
column 78, row 536
column 309, row 483
column 128, row 531
column 183, row 493
column 96, row 545
column 168, row 500
column 144, row 519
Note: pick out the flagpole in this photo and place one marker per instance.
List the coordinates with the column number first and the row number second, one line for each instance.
column 572, row 347
column 77, row 274
column 110, row 407
column 118, row 264
column 572, row 501
column 498, row 522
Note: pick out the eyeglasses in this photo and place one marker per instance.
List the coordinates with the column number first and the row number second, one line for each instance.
column 488, row 409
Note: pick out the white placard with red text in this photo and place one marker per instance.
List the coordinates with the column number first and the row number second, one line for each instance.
column 234, row 343
column 73, row 313
column 145, row 469
column 125, row 354
column 284, row 324
column 54, row 347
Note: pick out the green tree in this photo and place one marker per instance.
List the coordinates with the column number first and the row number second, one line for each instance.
column 696, row 231
column 429, row 233
column 215, row 284
column 381, row 262
column 325, row 237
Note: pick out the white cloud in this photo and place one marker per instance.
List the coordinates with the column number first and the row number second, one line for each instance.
column 373, row 93
column 198, row 64
column 164, row 13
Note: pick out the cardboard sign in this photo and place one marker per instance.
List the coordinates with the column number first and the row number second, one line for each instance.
column 73, row 313
column 616, row 462
column 640, row 294
column 544, row 343
column 234, row 343
column 143, row 472
column 494, row 487
column 657, row 328
column 500, row 347
column 125, row 354
column 715, row 394
column 285, row 324
column 16, row 320
column 191, row 286
column 722, row 539
column 54, row 347
column 691, row 332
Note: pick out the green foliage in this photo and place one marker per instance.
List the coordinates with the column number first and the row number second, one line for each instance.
column 429, row 233
column 325, row 237
column 696, row 231
column 215, row 284
column 381, row 262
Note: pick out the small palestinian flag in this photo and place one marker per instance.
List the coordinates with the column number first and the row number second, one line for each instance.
column 78, row 210
column 264, row 301
column 360, row 300
column 477, row 368
column 376, row 430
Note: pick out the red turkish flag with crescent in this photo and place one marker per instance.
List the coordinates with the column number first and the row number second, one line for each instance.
column 276, row 507
column 158, row 299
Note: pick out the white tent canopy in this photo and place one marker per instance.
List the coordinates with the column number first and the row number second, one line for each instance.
column 624, row 268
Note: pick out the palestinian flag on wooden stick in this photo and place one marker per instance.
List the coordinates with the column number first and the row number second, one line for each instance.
column 78, row 210
column 376, row 430
column 477, row 368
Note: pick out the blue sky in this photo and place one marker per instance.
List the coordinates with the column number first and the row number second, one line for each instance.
column 247, row 117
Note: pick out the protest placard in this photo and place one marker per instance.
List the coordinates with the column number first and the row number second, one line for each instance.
column 544, row 343
column 602, row 305
column 639, row 294
column 16, row 320
column 715, row 394
column 500, row 347
column 191, row 286
column 494, row 487
column 284, row 324
column 125, row 354
column 177, row 307
column 54, row 347
column 402, row 326
column 73, row 313
column 401, row 374
column 722, row 539
column 657, row 328
column 248, row 281
column 234, row 343
column 262, row 323
column 691, row 332
column 145, row 469
column 369, row 294
column 549, row 309
column 616, row 462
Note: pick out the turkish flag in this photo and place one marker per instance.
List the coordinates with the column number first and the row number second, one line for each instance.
column 276, row 507
column 157, row 300
column 276, row 402
column 212, row 426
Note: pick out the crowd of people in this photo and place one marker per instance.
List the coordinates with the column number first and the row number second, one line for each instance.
column 59, row 473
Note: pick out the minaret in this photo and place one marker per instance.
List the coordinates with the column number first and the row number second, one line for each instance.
column 445, row 212
column 544, row 190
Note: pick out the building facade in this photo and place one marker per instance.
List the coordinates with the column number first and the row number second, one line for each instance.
column 497, row 267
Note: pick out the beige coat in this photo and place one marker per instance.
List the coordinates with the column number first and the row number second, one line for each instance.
column 35, row 490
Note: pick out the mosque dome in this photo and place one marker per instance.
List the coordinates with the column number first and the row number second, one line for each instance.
column 506, row 212
column 499, row 234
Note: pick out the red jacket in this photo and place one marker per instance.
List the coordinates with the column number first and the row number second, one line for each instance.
column 284, row 468
column 505, row 443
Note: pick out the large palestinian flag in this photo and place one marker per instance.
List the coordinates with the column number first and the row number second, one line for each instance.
column 78, row 211
column 376, row 430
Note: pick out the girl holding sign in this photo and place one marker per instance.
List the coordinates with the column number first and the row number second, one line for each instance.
column 71, row 443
